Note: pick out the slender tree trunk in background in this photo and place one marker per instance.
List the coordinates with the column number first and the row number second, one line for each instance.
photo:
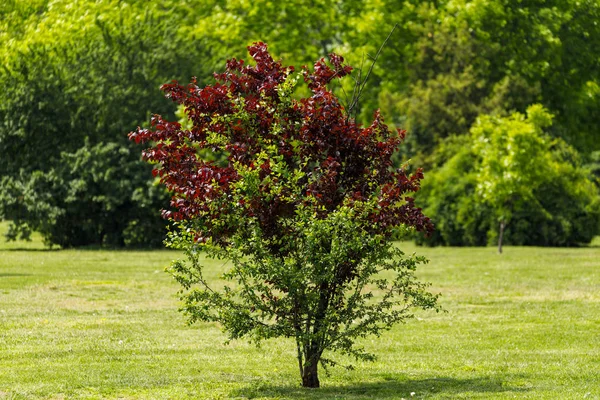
column 500, row 235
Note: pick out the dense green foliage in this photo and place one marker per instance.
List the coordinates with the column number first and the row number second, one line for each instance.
column 508, row 172
column 98, row 195
column 75, row 78
column 450, row 61
column 78, row 73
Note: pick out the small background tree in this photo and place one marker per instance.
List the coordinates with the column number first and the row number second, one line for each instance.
column 299, row 198
column 514, row 160
column 511, row 182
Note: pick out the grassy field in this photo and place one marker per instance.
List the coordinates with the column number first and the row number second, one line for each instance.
column 77, row 324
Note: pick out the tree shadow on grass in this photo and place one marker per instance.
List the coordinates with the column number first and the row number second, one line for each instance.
column 35, row 249
column 90, row 248
column 389, row 388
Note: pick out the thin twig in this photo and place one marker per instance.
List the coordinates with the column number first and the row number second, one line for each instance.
column 359, row 87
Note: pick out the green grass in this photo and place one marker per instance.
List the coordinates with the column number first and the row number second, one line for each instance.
column 77, row 324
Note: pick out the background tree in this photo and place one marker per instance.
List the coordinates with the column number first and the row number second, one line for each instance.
column 98, row 195
column 514, row 160
column 511, row 182
column 448, row 62
column 75, row 78
column 303, row 205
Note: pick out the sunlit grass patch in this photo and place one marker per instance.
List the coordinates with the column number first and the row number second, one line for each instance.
column 82, row 324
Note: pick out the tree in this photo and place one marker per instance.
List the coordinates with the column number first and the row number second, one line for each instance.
column 513, row 161
column 298, row 30
column 510, row 182
column 448, row 197
column 450, row 61
column 74, row 78
column 303, row 204
column 99, row 195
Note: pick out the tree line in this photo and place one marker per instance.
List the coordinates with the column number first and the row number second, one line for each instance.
column 499, row 99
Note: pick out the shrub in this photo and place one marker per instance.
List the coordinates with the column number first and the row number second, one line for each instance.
column 300, row 199
column 99, row 195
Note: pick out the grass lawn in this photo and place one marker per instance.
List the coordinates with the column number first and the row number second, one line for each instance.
column 85, row 324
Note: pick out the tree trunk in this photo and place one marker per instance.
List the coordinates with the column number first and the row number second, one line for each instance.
column 500, row 235
column 310, row 374
column 313, row 350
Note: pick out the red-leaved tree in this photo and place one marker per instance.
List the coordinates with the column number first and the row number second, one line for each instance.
column 299, row 198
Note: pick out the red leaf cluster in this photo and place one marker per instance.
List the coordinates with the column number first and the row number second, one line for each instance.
column 341, row 161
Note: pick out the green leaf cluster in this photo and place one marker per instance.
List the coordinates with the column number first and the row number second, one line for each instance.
column 98, row 195
column 450, row 61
